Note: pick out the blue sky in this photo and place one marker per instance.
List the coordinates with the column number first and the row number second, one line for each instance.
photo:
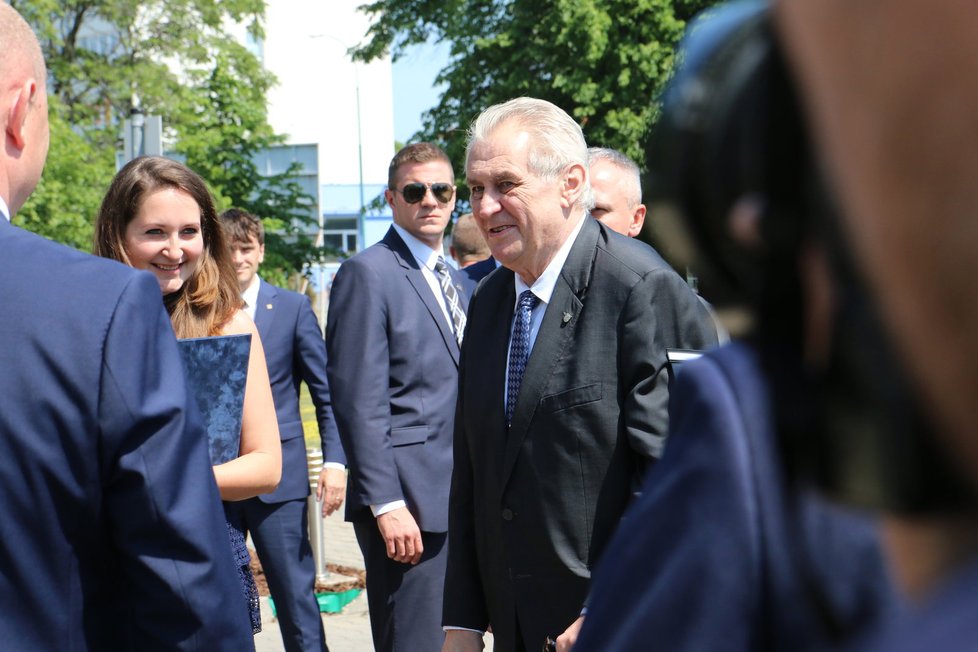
column 414, row 91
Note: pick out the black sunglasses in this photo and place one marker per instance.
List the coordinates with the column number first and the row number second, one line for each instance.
column 415, row 192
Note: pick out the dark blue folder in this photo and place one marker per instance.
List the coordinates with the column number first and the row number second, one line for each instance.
column 217, row 371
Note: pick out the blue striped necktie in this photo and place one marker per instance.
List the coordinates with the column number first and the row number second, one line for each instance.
column 519, row 350
column 451, row 299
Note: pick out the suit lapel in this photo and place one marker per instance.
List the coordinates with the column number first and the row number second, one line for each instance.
column 265, row 307
column 417, row 280
column 556, row 333
column 487, row 342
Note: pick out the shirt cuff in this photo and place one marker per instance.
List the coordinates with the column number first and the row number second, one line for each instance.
column 334, row 465
column 463, row 629
column 387, row 507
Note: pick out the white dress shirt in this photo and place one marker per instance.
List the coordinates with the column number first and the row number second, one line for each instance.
column 427, row 257
column 250, row 297
column 542, row 289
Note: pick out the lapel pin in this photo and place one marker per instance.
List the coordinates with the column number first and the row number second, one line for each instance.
column 567, row 317
column 268, row 305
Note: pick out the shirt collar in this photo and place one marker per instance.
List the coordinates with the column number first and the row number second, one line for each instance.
column 422, row 252
column 250, row 295
column 4, row 209
column 543, row 287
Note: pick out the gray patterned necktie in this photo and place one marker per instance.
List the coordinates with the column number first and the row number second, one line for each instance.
column 451, row 299
column 519, row 350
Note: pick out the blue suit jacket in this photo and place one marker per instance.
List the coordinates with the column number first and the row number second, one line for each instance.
column 475, row 272
column 295, row 352
column 112, row 535
column 717, row 554
column 393, row 372
column 947, row 620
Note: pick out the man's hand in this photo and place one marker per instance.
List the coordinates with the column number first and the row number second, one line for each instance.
column 462, row 640
column 566, row 640
column 331, row 489
column 400, row 532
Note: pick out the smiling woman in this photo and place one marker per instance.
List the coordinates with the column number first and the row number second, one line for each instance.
column 165, row 237
column 159, row 216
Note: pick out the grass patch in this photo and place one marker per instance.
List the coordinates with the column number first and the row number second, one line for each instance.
column 308, row 413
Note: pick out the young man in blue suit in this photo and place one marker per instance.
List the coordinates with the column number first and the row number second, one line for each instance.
column 396, row 318
column 295, row 353
column 113, row 533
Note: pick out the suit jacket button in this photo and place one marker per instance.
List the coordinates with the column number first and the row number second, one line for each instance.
column 507, row 514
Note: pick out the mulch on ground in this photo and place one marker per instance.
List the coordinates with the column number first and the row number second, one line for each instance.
column 358, row 576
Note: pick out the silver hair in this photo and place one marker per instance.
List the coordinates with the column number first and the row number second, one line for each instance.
column 556, row 139
column 625, row 164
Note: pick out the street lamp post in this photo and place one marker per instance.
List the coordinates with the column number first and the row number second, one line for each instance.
column 361, row 237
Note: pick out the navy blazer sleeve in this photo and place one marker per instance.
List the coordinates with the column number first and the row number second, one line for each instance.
column 310, row 361
column 682, row 569
column 358, row 369
column 160, row 498
column 720, row 553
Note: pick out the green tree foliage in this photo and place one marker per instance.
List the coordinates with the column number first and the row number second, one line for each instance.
column 229, row 129
column 107, row 56
column 602, row 61
column 66, row 199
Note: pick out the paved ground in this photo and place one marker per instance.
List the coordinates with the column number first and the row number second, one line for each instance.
column 349, row 630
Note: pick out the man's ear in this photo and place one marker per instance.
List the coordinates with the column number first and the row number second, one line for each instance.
column 18, row 112
column 389, row 196
column 638, row 219
column 574, row 179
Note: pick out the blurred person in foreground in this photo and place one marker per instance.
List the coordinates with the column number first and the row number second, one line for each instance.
column 729, row 548
column 158, row 215
column 113, row 536
column 295, row 352
column 890, row 88
column 470, row 251
column 563, row 385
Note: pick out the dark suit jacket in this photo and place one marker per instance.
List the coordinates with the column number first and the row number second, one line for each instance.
column 718, row 554
column 393, row 372
column 112, row 535
column 475, row 272
column 532, row 509
column 295, row 352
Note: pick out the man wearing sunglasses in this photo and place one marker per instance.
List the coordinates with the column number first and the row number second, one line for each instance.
column 396, row 320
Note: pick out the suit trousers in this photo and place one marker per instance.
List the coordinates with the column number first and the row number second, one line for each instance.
column 405, row 601
column 279, row 531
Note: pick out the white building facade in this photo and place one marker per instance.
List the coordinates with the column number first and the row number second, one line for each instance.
column 336, row 115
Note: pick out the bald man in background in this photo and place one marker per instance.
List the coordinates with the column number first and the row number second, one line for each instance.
column 471, row 252
column 113, row 532
column 617, row 186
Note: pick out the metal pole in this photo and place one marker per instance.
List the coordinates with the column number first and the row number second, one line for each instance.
column 361, row 244
column 137, row 119
column 317, row 538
